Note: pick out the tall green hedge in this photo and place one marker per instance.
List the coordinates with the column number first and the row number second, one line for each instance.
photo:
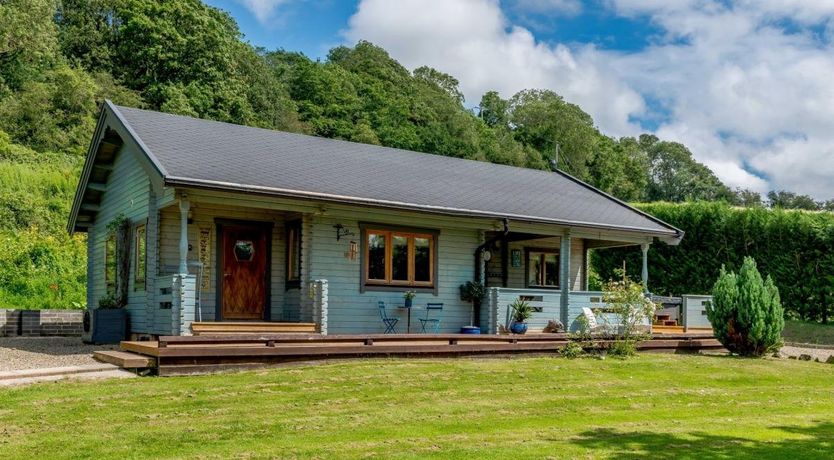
column 796, row 248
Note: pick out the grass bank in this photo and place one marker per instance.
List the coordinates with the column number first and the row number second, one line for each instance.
column 657, row 406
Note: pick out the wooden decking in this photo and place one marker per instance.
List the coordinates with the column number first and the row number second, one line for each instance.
column 197, row 354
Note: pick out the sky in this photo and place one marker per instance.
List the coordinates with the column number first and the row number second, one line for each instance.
column 747, row 85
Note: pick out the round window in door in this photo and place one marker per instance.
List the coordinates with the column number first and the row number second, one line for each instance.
column 244, row 250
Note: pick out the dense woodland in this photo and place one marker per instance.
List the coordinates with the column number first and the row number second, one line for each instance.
column 59, row 60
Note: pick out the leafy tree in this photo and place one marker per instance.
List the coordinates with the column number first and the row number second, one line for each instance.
column 545, row 121
column 746, row 312
column 494, row 110
column 28, row 41
column 620, row 168
column 674, row 175
column 748, row 198
column 789, row 200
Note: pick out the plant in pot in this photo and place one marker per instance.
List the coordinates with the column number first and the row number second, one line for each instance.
column 108, row 322
column 473, row 292
column 408, row 296
column 521, row 312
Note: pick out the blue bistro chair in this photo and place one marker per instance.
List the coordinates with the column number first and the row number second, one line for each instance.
column 389, row 323
column 429, row 324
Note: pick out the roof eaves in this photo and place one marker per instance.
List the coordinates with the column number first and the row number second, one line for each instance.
column 300, row 194
column 678, row 232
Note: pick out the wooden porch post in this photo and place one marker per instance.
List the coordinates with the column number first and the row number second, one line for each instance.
column 184, row 207
column 644, row 276
column 564, row 277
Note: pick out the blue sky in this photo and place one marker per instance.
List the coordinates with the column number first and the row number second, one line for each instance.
column 314, row 26
column 745, row 84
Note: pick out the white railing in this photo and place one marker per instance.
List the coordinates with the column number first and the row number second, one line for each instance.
column 547, row 303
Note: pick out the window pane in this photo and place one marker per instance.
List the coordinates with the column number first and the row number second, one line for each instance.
column 110, row 263
column 551, row 270
column 535, row 269
column 293, row 254
column 399, row 258
column 422, row 259
column 140, row 254
column 376, row 256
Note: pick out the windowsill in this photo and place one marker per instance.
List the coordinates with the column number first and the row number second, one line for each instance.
column 385, row 288
column 555, row 288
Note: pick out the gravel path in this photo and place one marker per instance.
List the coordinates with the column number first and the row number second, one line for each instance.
column 821, row 354
column 17, row 353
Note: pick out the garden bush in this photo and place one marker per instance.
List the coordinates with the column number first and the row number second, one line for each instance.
column 745, row 312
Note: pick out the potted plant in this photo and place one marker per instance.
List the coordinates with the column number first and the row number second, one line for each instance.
column 474, row 292
column 521, row 312
column 408, row 296
column 109, row 321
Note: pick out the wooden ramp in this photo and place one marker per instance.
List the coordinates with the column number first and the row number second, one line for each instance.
column 251, row 327
column 201, row 354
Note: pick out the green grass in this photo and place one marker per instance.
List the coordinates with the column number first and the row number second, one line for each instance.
column 808, row 332
column 652, row 406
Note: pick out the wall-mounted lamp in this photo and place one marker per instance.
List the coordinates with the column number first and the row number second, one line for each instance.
column 342, row 231
column 190, row 216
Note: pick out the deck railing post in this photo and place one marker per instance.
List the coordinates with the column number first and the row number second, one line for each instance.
column 564, row 276
column 644, row 275
column 320, row 301
column 185, row 206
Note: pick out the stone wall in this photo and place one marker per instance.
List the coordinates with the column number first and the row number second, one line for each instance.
column 33, row 323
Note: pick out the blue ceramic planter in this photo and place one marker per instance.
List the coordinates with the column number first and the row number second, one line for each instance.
column 470, row 330
column 518, row 328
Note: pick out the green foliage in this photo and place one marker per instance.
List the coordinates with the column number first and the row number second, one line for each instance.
column 795, row 248
column 572, row 350
column 521, row 311
column 746, row 313
column 628, row 312
column 472, row 291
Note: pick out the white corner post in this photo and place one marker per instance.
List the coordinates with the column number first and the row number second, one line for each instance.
column 185, row 206
column 644, row 275
column 564, row 276
column 320, row 301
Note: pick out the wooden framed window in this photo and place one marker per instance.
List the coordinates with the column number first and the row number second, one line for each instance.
column 542, row 268
column 399, row 258
column 110, row 263
column 140, row 246
column 294, row 254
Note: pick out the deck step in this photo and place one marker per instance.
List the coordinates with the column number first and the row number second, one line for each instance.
column 228, row 327
column 124, row 359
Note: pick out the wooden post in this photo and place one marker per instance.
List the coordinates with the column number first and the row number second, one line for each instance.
column 644, row 276
column 184, row 207
column 564, row 276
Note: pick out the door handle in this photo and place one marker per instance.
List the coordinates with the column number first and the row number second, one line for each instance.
column 227, row 274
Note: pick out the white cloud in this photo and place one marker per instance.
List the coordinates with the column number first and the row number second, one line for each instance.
column 263, row 10
column 748, row 85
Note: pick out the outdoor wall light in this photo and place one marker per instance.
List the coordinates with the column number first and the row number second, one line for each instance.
column 341, row 231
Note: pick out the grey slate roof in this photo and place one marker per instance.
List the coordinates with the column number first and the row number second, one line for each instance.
column 201, row 152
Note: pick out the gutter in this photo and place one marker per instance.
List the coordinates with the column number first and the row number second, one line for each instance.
column 343, row 199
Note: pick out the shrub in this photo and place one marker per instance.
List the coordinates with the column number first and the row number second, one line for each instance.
column 631, row 308
column 572, row 350
column 746, row 312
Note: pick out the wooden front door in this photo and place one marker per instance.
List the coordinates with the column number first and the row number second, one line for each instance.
column 244, row 272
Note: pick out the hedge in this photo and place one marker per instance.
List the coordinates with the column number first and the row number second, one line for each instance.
column 796, row 248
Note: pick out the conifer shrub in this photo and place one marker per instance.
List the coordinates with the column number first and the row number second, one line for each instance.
column 746, row 312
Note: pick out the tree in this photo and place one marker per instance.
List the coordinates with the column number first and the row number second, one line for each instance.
column 746, row 312
column 674, row 175
column 620, row 168
column 494, row 110
column 748, row 198
column 789, row 200
column 544, row 121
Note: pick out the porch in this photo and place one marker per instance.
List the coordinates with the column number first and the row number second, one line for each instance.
column 173, row 355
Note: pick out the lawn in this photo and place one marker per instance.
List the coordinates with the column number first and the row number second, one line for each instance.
column 652, row 406
column 808, row 332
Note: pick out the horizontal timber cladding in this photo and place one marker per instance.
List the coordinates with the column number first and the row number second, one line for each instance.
column 515, row 278
column 353, row 311
column 127, row 192
column 203, row 226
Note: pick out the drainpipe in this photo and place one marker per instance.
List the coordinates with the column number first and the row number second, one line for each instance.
column 478, row 258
